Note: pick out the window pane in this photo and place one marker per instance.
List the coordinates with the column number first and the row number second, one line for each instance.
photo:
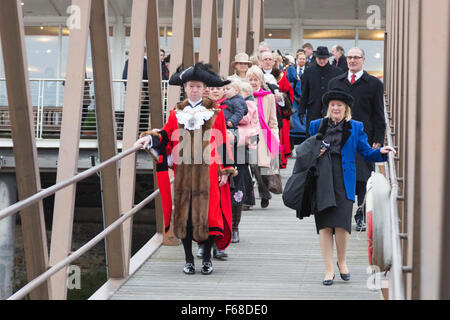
column 65, row 48
column 42, row 55
column 346, row 44
column 282, row 44
column 374, row 56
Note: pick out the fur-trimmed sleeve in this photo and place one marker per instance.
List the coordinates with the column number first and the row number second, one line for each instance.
column 161, row 138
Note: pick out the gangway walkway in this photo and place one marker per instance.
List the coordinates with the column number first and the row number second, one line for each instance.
column 278, row 257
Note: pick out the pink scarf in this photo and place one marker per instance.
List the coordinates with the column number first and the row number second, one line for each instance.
column 272, row 142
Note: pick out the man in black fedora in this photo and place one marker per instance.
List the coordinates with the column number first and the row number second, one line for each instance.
column 314, row 85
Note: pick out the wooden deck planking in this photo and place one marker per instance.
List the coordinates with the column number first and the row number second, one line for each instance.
column 278, row 258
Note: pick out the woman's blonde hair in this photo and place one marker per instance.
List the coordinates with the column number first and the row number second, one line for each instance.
column 257, row 72
column 347, row 114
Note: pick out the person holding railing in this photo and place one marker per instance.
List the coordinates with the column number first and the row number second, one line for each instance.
column 201, row 156
column 368, row 92
column 342, row 139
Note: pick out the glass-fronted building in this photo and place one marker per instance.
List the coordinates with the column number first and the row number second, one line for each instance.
column 288, row 24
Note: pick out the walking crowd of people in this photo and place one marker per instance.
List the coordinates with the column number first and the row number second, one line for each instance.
column 231, row 135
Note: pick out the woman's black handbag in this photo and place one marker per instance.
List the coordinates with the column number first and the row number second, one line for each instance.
column 288, row 109
column 275, row 185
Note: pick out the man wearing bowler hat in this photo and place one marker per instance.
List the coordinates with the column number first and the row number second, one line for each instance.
column 314, row 85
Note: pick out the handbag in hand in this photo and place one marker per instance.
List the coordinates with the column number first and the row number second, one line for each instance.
column 288, row 109
column 275, row 186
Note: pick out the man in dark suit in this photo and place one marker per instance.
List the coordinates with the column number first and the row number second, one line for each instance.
column 308, row 49
column 144, row 71
column 314, row 85
column 340, row 60
column 368, row 108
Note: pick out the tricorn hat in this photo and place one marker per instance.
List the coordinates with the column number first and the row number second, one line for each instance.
column 200, row 72
column 337, row 94
column 322, row 52
column 241, row 58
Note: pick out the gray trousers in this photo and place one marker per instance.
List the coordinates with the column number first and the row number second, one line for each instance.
column 263, row 182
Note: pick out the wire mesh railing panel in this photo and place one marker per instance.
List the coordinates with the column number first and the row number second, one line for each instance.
column 47, row 98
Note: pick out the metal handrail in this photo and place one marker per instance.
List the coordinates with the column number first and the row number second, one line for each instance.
column 86, row 247
column 398, row 291
column 55, row 188
column 90, row 244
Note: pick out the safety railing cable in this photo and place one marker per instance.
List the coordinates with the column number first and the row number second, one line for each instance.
column 46, row 98
column 53, row 189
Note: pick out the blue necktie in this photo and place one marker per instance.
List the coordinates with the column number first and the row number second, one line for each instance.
column 300, row 72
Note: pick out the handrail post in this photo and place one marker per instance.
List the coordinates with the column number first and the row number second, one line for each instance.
column 107, row 142
column 63, row 212
column 12, row 36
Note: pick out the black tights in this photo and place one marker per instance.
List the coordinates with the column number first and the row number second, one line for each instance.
column 361, row 194
column 187, row 243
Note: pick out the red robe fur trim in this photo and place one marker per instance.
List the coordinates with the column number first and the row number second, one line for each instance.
column 197, row 185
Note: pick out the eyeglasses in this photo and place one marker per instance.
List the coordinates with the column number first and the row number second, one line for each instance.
column 354, row 58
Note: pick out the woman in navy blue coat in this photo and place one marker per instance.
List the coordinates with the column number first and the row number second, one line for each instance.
column 345, row 137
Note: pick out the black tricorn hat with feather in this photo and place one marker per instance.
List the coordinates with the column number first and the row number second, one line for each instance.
column 200, row 72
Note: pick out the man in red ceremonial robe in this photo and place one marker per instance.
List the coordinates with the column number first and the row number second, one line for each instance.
column 195, row 133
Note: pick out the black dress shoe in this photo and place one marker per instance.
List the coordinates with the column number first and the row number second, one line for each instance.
column 360, row 226
column 189, row 268
column 328, row 282
column 264, row 203
column 207, row 267
column 344, row 276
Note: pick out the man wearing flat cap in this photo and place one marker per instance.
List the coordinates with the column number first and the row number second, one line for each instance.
column 195, row 137
column 314, row 85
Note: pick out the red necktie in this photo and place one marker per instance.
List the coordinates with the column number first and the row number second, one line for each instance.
column 353, row 79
